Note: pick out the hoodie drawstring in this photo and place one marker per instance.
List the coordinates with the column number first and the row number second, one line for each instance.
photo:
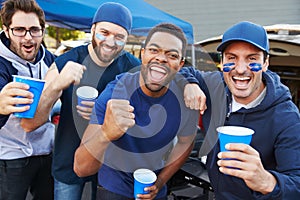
column 39, row 71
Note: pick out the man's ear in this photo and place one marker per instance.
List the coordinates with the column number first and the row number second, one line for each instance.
column 220, row 65
column 182, row 61
column 93, row 28
column 266, row 64
column 142, row 54
column 5, row 29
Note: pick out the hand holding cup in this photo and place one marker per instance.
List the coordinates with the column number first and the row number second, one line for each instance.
column 241, row 160
column 9, row 98
column 143, row 178
column 86, row 97
column 36, row 87
column 233, row 134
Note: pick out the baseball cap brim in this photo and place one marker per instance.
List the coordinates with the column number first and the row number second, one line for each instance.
column 224, row 44
column 247, row 32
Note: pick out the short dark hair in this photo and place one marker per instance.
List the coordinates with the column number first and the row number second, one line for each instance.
column 171, row 29
column 10, row 7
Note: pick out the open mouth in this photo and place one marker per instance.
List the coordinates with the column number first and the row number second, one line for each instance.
column 157, row 73
column 241, row 82
column 28, row 48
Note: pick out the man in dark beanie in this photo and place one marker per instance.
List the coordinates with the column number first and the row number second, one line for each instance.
column 95, row 65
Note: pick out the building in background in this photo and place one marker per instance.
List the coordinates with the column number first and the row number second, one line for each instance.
column 212, row 17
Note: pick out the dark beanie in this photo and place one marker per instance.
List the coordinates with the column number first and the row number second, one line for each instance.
column 115, row 13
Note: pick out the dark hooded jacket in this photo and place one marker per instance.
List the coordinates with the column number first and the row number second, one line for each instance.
column 14, row 141
column 276, row 122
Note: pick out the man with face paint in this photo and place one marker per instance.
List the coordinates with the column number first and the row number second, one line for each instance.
column 95, row 65
column 268, row 168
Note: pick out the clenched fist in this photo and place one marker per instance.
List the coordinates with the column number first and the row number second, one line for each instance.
column 70, row 74
column 119, row 117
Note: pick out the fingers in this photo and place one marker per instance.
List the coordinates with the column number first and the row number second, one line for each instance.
column 202, row 106
column 119, row 117
column 19, row 85
column 78, row 70
column 240, row 156
column 13, row 89
column 123, row 113
column 15, row 93
column 196, row 103
column 153, row 190
column 87, row 104
column 195, row 98
column 85, row 111
column 241, row 148
column 72, row 73
column 17, row 100
column 14, row 109
column 121, row 105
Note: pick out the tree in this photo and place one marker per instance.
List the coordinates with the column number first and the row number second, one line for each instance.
column 61, row 34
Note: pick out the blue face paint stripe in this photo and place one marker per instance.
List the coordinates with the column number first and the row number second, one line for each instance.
column 255, row 67
column 102, row 37
column 227, row 67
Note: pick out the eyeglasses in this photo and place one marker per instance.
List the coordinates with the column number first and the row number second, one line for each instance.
column 255, row 67
column 22, row 31
column 170, row 54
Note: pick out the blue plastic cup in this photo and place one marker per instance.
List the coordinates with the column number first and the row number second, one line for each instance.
column 36, row 87
column 234, row 134
column 143, row 178
column 86, row 93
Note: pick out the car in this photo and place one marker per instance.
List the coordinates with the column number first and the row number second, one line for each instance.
column 68, row 45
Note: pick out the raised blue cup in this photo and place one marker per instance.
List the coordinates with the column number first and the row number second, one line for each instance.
column 143, row 178
column 86, row 93
column 36, row 87
column 234, row 134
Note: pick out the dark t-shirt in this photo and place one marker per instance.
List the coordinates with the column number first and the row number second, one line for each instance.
column 71, row 126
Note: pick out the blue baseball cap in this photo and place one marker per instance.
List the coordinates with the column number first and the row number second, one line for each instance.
column 115, row 13
column 247, row 32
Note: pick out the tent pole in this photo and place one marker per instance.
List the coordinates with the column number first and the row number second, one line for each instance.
column 193, row 55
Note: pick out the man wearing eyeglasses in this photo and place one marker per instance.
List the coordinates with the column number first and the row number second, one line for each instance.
column 94, row 64
column 25, row 158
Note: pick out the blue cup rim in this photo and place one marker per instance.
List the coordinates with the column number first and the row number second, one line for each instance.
column 144, row 171
column 28, row 78
column 91, row 90
column 235, row 130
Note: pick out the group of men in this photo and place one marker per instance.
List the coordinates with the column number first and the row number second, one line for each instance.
column 146, row 118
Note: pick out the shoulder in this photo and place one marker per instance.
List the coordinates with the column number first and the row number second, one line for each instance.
column 127, row 58
column 6, row 71
column 277, row 92
column 77, row 54
column 124, row 84
column 49, row 58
